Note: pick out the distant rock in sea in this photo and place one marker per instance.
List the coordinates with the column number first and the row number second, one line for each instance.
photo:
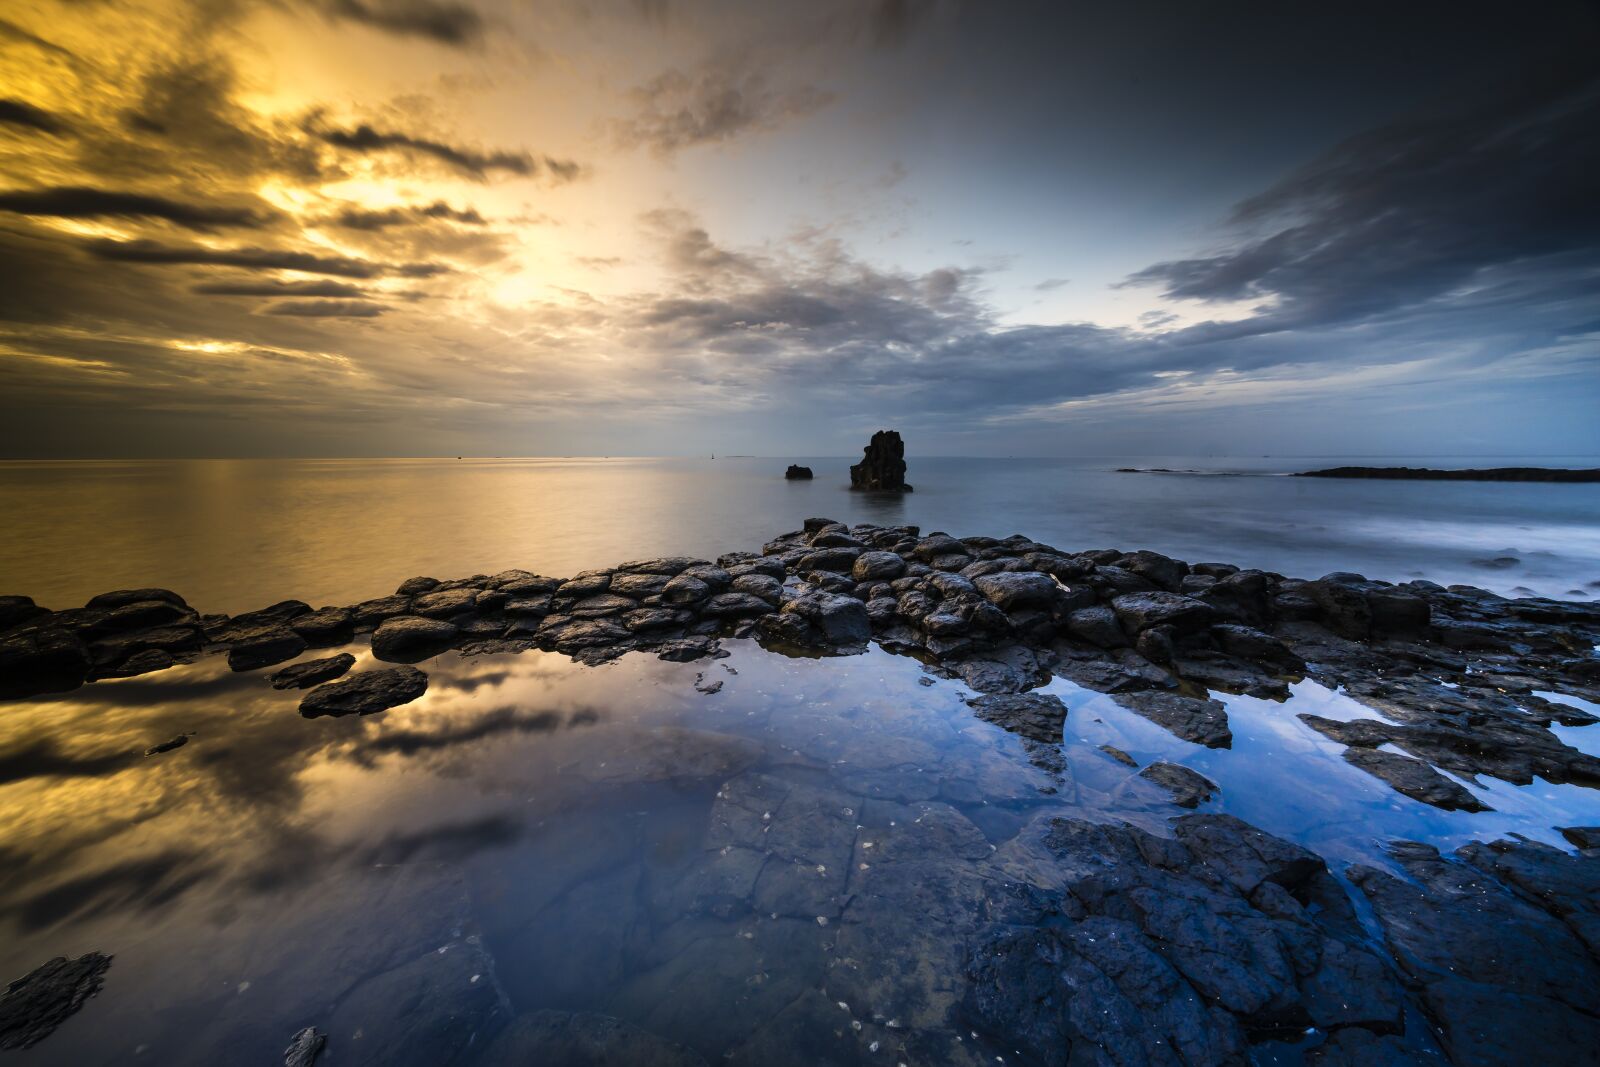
column 1487, row 474
column 883, row 464
column 797, row 473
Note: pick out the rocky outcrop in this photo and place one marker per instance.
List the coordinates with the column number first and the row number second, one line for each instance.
column 365, row 693
column 797, row 473
column 34, row 1005
column 883, row 464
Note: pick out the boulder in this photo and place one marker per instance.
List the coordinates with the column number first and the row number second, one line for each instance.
column 325, row 627
column 263, row 646
column 444, row 604
column 1036, row 716
column 416, row 586
column 313, row 672
column 877, row 567
column 120, row 597
column 1189, row 788
column 1140, row 611
column 304, row 1048
column 1098, row 626
column 797, row 473
column 1009, row 590
column 365, row 693
column 46, row 661
column 883, row 464
column 16, row 610
column 684, row 590
column 840, row 620
column 409, row 638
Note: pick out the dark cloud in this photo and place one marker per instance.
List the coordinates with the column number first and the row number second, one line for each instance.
column 11, row 31
column 891, row 23
column 328, row 309
column 274, row 287
column 257, row 259
column 677, row 110
column 447, row 23
column 20, row 113
column 476, row 164
column 82, row 202
column 1416, row 210
column 362, row 219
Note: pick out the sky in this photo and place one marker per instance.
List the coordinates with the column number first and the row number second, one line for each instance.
column 663, row 227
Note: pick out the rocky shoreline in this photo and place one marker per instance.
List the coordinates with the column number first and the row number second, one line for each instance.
column 1486, row 474
column 1137, row 948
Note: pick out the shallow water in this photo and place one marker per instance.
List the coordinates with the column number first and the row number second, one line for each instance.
column 233, row 535
column 539, row 834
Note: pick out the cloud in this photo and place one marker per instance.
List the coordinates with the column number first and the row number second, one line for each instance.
column 328, row 309
column 144, row 251
column 83, row 202
column 453, row 24
column 275, row 287
column 475, row 164
column 1415, row 211
column 891, row 23
column 364, row 219
column 16, row 112
column 1050, row 284
column 676, row 110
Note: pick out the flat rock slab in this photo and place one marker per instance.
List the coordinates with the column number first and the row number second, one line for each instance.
column 1415, row 778
column 41, row 1000
column 1189, row 788
column 313, row 672
column 365, row 693
column 409, row 638
column 1036, row 716
column 1205, row 722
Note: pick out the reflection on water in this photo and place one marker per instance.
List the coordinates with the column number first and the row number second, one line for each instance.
column 234, row 535
column 534, row 834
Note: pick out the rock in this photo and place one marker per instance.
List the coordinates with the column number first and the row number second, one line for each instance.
column 601, row 605
column 1119, row 755
column 639, row 585
column 1098, row 626
column 683, row 591
column 1205, row 722
column 1582, row 837
column 313, row 672
column 325, row 627
column 1415, row 778
column 1036, row 716
column 15, row 610
column 409, row 638
column 829, row 559
column 734, row 606
column 653, row 619
column 122, row 597
column 533, row 606
column 1189, row 788
column 1141, row 611
column 1010, row 590
column 369, row 613
column 582, row 1039
column 304, row 1048
column 1155, row 568
column 840, row 620
column 797, row 473
column 46, row 661
column 764, row 586
column 416, row 586
column 883, row 464
column 34, row 1005
column 877, row 566
column 167, row 746
column 664, row 565
column 365, row 693
column 264, row 646
column 444, row 604
column 1494, row 966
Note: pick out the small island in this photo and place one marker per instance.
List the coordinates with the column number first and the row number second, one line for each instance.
column 1487, row 474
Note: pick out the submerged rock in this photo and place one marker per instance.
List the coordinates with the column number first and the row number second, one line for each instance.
column 1189, row 788
column 883, row 464
column 1036, row 716
column 365, row 693
column 304, row 1048
column 1415, row 778
column 34, row 1005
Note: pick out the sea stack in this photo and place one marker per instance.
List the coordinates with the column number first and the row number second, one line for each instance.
column 883, row 464
column 797, row 472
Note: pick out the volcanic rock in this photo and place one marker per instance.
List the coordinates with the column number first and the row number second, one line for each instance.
column 883, row 464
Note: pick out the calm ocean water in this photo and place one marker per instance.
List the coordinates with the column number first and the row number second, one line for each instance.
column 232, row 535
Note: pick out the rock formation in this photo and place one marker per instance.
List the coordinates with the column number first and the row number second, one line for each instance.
column 883, row 464
column 797, row 473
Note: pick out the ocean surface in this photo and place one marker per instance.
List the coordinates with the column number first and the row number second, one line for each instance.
column 233, row 535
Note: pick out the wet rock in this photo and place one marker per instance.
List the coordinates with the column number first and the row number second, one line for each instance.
column 1138, row 612
column 45, row 661
column 1493, row 965
column 795, row 472
column 240, row 627
column 1009, row 590
column 34, row 1005
column 1582, row 837
column 1166, row 573
column 653, row 619
column 567, row 633
column 325, row 627
column 1189, row 788
column 121, row 597
column 883, row 464
column 167, row 746
column 667, row 565
column 263, row 646
column 313, row 672
column 601, row 605
column 369, row 613
column 1204, row 722
column 1098, row 626
column 877, row 566
column 734, row 606
column 15, row 610
column 840, row 620
column 639, row 585
column 304, row 1048
column 1119, row 755
column 829, row 559
column 683, row 591
column 583, row 1039
column 1415, row 778
column 764, row 586
column 444, row 604
column 409, row 638
column 533, row 606
column 1037, row 716
column 416, row 586
column 365, row 693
